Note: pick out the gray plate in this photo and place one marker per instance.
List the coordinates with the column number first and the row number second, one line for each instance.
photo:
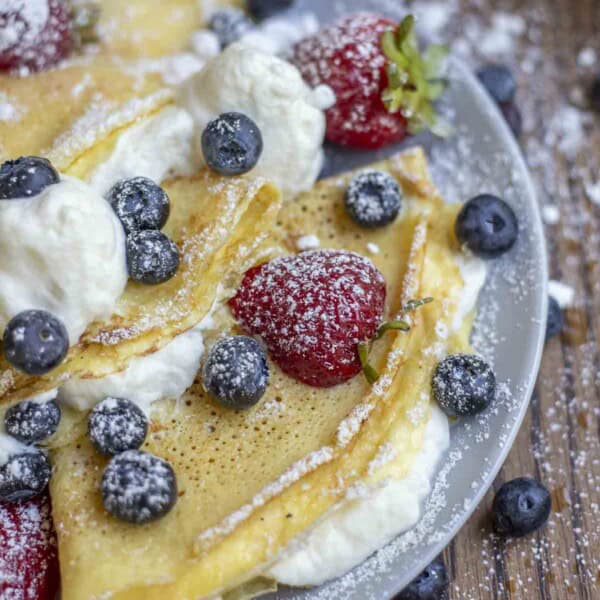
column 482, row 157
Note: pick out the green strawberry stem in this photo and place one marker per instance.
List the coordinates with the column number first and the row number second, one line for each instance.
column 364, row 348
column 414, row 79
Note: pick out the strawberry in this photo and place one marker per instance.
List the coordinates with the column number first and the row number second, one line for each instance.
column 312, row 311
column 28, row 555
column 384, row 88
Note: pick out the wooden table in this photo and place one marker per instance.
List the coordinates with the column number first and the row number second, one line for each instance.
column 558, row 442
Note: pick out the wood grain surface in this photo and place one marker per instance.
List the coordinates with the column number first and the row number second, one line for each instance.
column 558, row 442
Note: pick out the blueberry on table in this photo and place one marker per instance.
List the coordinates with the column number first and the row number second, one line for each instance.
column 463, row 385
column 555, row 322
column 30, row 421
column 520, row 507
column 487, row 226
column 229, row 25
column 116, row 425
column 263, row 9
column 24, row 476
column 232, row 144
column 152, row 257
column 236, row 373
column 140, row 204
column 512, row 115
column 430, row 584
column 138, row 487
column 25, row 177
column 373, row 199
column 35, row 342
column 499, row 82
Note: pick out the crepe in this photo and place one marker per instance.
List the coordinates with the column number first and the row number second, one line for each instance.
column 252, row 481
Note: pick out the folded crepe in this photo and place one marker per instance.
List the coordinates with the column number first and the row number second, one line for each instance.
column 251, row 482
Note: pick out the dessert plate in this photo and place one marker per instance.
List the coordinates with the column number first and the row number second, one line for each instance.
column 482, row 156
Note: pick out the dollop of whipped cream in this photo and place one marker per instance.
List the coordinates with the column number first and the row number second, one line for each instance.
column 158, row 147
column 272, row 93
column 167, row 373
column 62, row 251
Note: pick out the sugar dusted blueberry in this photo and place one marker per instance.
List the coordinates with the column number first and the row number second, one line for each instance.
column 263, row 9
column 25, row 177
column 430, row 584
column 232, row 144
column 152, row 257
column 116, row 425
column 236, row 373
column 373, row 199
column 24, row 476
column 35, row 342
column 31, row 421
column 463, row 385
column 229, row 25
column 138, row 487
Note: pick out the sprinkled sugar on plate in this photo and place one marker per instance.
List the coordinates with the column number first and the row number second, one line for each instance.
column 509, row 329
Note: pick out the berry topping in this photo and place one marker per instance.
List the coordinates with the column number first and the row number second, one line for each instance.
column 229, row 25
column 499, row 82
column 152, row 257
column 138, row 487
column 263, row 9
column 140, row 204
column 487, row 226
column 24, row 476
column 555, row 322
column 35, row 342
column 430, row 584
column 26, row 176
column 382, row 84
column 116, row 425
column 29, row 558
column 312, row 310
column 520, row 507
column 31, row 421
column 463, row 385
column 34, row 34
column 232, row 144
column 373, row 199
column 512, row 115
column 236, row 372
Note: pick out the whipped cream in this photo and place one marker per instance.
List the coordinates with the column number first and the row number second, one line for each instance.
column 362, row 524
column 157, row 147
column 62, row 251
column 9, row 447
column 167, row 373
column 272, row 93
column 473, row 271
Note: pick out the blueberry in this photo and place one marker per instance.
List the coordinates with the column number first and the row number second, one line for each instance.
column 35, row 342
column 140, row 204
column 373, row 199
column 595, row 94
column 263, row 9
column 26, row 176
column 229, row 25
column 430, row 584
column 31, row 421
column 24, row 476
column 152, row 257
column 512, row 116
column 555, row 321
column 499, row 82
column 138, row 487
column 232, row 144
column 463, row 385
column 520, row 507
column 487, row 226
column 116, row 425
column 236, row 373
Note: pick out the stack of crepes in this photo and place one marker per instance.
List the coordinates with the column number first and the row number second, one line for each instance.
column 249, row 482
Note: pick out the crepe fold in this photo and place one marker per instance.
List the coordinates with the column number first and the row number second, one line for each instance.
column 251, row 482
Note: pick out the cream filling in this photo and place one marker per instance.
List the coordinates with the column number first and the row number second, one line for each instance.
column 374, row 514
